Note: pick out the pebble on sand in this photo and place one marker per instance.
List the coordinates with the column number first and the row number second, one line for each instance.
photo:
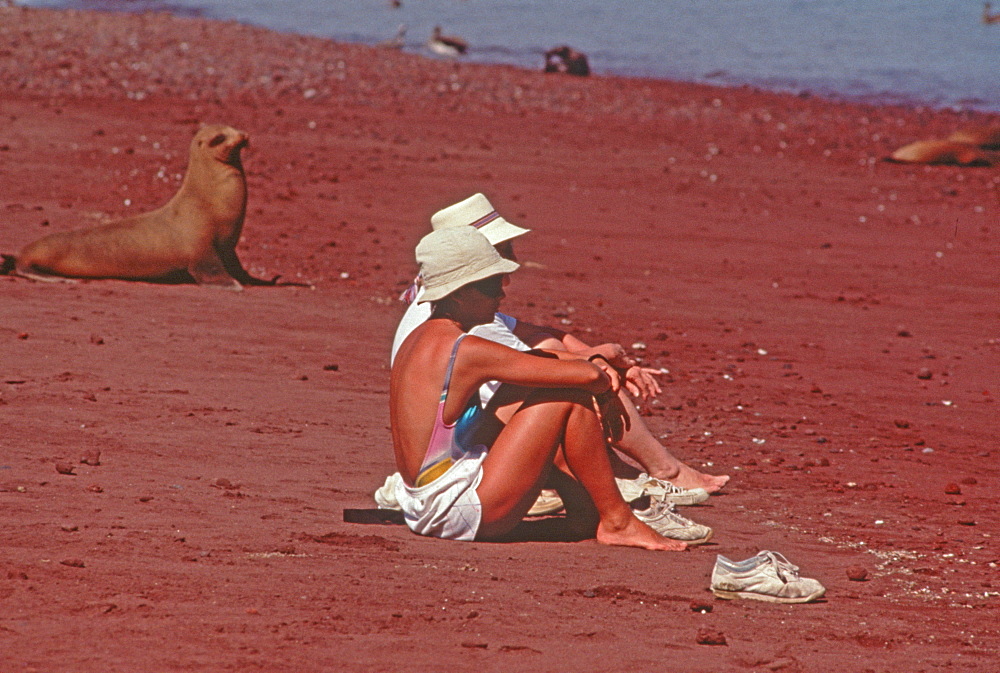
column 857, row 574
column 64, row 468
column 952, row 489
column 92, row 457
column 72, row 563
column 701, row 605
column 710, row 637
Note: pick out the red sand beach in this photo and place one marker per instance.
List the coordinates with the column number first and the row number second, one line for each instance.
column 829, row 322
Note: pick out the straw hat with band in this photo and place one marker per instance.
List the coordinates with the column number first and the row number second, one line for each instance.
column 455, row 257
column 477, row 212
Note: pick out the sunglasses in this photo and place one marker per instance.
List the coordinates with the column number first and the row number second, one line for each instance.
column 490, row 287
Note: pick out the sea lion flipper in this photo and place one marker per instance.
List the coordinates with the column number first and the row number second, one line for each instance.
column 235, row 268
column 210, row 271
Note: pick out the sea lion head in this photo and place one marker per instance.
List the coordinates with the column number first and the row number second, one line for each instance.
column 221, row 143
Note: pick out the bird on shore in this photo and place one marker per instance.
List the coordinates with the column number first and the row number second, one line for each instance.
column 567, row 60
column 397, row 41
column 446, row 45
column 988, row 16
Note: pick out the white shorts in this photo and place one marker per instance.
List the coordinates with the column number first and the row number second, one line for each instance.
column 448, row 507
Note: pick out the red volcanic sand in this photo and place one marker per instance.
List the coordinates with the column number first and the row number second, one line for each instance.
column 791, row 282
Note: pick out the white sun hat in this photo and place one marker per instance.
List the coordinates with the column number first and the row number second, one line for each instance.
column 452, row 258
column 477, row 212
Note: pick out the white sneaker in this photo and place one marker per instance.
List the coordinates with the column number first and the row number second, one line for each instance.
column 548, row 502
column 664, row 519
column 385, row 496
column 659, row 489
column 768, row 576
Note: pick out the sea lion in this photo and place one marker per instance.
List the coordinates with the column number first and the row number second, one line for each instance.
column 567, row 60
column 940, row 152
column 987, row 137
column 195, row 233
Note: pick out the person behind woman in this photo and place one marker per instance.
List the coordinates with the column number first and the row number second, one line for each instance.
column 470, row 473
column 637, row 441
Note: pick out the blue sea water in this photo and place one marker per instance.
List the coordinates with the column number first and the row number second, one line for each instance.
column 923, row 52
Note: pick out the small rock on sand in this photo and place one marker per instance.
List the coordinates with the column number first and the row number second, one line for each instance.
column 64, row 468
column 701, row 605
column 710, row 637
column 952, row 489
column 857, row 574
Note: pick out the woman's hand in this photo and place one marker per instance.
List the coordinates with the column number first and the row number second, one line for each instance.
column 614, row 417
column 615, row 355
column 613, row 375
column 641, row 381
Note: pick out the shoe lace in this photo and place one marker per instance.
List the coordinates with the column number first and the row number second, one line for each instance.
column 668, row 488
column 787, row 571
column 669, row 511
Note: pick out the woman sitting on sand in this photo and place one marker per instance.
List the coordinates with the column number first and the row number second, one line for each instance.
column 470, row 473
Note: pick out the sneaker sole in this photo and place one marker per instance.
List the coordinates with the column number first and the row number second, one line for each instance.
column 729, row 595
column 692, row 542
column 684, row 501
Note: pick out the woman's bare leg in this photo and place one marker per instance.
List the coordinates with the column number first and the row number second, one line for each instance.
column 519, row 460
column 639, row 444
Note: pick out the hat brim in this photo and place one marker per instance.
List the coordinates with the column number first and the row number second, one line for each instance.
column 438, row 292
column 499, row 230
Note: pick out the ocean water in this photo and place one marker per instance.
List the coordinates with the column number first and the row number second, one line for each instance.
column 936, row 53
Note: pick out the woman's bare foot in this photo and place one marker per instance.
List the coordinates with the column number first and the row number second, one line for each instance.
column 636, row 534
column 688, row 477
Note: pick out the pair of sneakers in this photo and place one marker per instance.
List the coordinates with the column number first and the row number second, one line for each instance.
column 658, row 489
column 768, row 576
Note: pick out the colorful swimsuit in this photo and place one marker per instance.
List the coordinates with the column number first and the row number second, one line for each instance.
column 448, row 442
column 443, row 503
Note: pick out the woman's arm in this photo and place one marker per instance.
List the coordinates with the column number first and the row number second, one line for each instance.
column 489, row 361
column 638, row 380
column 550, row 338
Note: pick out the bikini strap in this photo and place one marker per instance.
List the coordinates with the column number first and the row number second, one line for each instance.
column 451, row 365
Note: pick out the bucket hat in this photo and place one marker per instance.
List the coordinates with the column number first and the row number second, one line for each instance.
column 477, row 212
column 454, row 257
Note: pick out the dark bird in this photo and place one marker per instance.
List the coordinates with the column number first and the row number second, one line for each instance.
column 568, row 60
column 988, row 16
